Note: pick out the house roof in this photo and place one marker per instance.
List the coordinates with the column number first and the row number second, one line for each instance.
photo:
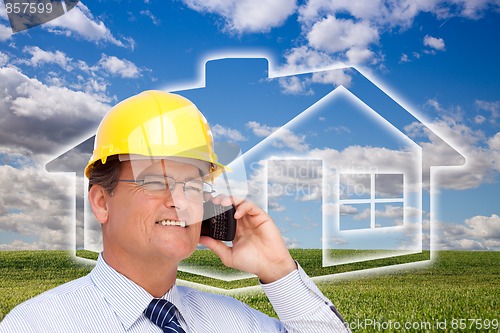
column 251, row 88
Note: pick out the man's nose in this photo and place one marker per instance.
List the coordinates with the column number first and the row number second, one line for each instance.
column 177, row 197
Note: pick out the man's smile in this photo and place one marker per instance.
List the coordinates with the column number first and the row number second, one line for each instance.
column 172, row 223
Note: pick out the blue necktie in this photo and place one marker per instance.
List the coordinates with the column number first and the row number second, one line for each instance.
column 162, row 313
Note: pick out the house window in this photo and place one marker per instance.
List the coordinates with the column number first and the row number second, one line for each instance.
column 370, row 201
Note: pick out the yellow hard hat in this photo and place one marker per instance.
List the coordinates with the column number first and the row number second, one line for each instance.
column 155, row 124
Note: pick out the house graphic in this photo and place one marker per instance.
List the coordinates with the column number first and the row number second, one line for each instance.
column 341, row 167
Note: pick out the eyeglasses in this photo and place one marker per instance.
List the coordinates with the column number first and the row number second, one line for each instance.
column 159, row 186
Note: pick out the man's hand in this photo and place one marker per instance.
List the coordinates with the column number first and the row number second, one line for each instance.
column 258, row 247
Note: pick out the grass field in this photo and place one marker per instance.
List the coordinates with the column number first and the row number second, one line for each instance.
column 458, row 292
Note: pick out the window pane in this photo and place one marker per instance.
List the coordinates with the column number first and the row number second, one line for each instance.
column 356, row 216
column 388, row 186
column 388, row 214
column 355, row 186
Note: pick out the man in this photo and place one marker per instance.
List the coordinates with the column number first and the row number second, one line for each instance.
column 149, row 175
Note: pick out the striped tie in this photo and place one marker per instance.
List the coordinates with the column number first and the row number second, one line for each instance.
column 162, row 313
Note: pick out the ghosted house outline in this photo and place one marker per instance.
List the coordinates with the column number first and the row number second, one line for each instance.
column 371, row 98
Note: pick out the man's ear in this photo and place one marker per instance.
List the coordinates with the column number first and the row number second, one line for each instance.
column 98, row 198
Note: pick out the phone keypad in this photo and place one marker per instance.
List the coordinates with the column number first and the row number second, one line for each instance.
column 219, row 222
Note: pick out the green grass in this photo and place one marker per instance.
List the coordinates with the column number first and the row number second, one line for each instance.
column 309, row 259
column 457, row 285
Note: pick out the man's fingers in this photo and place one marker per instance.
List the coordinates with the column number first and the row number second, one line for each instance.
column 252, row 210
column 242, row 207
column 219, row 248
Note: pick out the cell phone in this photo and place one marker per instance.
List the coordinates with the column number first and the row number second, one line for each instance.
column 218, row 221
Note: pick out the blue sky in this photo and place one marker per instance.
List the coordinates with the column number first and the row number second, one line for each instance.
column 439, row 58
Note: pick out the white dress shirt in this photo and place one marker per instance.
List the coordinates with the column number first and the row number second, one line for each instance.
column 107, row 301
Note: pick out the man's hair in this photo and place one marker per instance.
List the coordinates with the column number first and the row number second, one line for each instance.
column 105, row 175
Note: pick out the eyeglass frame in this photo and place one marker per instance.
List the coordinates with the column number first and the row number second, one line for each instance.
column 171, row 189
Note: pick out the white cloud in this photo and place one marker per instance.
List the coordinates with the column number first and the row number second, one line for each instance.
column 153, row 18
column 5, row 33
column 93, row 85
column 477, row 233
column 393, row 13
column 81, row 22
column 221, row 133
column 18, row 245
column 434, row 103
column 363, row 215
column 247, row 15
column 476, row 172
column 259, row 130
column 335, row 35
column 83, row 77
column 494, row 142
column 331, row 39
column 338, row 241
column 336, row 77
column 305, row 58
column 366, row 160
column 358, row 56
column 54, row 80
column 305, row 223
column 294, row 85
column 404, row 58
column 471, row 175
column 299, row 179
column 37, row 121
column 4, row 59
column 40, row 57
column 119, row 67
column 312, row 193
column 483, row 226
column 402, row 13
column 435, row 43
column 347, row 210
column 313, row 10
column 479, row 119
column 35, row 205
column 475, row 9
column 493, row 107
column 359, row 158
column 494, row 146
column 353, row 39
column 480, row 165
column 391, row 212
column 3, row 13
column 284, row 138
column 39, row 118
column 276, row 207
column 292, row 243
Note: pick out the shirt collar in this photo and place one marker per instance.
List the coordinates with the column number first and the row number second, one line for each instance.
column 174, row 296
column 127, row 299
